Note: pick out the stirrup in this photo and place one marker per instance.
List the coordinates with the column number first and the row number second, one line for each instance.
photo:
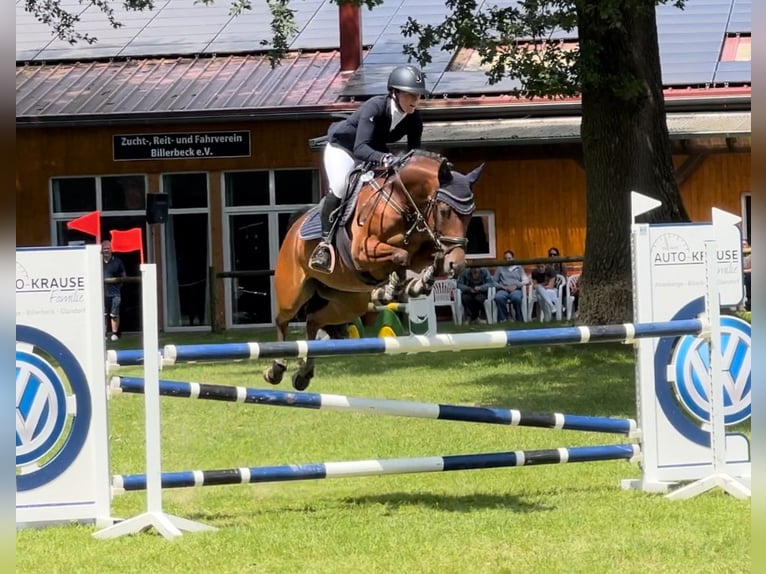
column 323, row 258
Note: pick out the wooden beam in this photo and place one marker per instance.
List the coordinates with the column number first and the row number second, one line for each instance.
column 689, row 166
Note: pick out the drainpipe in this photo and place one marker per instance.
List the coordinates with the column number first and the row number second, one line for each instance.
column 350, row 21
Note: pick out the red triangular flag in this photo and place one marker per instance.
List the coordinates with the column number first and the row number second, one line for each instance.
column 130, row 240
column 90, row 224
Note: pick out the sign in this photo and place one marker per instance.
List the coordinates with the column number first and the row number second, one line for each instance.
column 671, row 283
column 191, row 145
column 62, row 471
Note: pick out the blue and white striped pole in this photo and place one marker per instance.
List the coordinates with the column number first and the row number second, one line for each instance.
column 626, row 332
column 328, row 402
column 347, row 469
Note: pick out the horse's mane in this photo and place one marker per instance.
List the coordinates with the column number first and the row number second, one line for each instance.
column 427, row 154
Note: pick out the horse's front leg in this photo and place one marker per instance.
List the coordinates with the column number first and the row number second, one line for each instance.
column 421, row 285
column 393, row 287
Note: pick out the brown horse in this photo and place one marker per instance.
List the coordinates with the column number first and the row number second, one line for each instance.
column 411, row 217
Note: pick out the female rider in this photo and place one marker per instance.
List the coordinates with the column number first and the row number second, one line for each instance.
column 363, row 137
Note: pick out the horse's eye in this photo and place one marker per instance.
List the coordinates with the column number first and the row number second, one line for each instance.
column 444, row 212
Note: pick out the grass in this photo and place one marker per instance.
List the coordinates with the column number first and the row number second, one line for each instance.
column 558, row 518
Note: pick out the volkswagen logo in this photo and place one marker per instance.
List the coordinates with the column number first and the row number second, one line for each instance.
column 53, row 408
column 690, row 367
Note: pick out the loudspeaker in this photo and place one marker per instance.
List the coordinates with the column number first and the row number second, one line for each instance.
column 157, row 207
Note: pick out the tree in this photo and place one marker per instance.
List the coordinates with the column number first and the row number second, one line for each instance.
column 615, row 69
column 625, row 142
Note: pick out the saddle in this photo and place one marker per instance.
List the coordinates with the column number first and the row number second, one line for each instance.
column 311, row 228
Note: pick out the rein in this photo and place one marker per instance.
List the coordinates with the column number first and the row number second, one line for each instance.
column 444, row 244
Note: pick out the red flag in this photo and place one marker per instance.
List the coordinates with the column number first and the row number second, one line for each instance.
column 90, row 224
column 129, row 240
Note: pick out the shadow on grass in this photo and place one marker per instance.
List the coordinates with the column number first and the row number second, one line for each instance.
column 392, row 502
column 448, row 503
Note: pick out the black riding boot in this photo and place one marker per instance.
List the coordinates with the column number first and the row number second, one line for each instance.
column 323, row 257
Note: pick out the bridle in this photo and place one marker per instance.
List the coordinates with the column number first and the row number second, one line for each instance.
column 415, row 219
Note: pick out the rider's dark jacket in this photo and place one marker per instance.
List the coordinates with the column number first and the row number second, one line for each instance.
column 366, row 133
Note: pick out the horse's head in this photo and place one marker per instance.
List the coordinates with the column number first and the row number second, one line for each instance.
column 444, row 198
column 453, row 208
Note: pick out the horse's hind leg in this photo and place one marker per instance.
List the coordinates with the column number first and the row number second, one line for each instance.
column 289, row 300
column 348, row 307
column 302, row 377
column 276, row 371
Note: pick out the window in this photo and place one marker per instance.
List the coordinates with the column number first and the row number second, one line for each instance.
column 121, row 199
column 481, row 236
column 258, row 206
column 186, row 246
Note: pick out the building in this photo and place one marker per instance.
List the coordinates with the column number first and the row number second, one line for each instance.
column 182, row 101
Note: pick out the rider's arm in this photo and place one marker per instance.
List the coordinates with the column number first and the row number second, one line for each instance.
column 370, row 113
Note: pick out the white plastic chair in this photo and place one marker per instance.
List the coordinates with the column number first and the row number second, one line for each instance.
column 556, row 310
column 446, row 294
column 572, row 286
column 524, row 304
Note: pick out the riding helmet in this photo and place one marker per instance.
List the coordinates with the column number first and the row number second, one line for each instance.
column 407, row 79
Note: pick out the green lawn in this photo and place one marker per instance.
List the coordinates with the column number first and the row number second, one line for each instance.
column 556, row 518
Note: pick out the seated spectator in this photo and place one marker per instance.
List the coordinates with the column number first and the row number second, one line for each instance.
column 746, row 252
column 509, row 284
column 474, row 282
column 544, row 280
column 560, row 268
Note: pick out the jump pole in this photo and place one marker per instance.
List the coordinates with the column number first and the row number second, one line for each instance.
column 376, row 467
column 617, row 333
column 330, row 402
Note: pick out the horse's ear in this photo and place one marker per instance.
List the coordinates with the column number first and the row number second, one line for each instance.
column 445, row 173
column 473, row 176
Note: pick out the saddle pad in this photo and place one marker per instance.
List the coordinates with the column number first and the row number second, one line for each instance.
column 312, row 225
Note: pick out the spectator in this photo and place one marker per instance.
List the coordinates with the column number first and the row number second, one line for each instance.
column 559, row 267
column 544, row 280
column 474, row 283
column 113, row 268
column 509, row 283
column 746, row 251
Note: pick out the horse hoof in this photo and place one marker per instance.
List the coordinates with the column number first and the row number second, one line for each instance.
column 273, row 375
column 301, row 382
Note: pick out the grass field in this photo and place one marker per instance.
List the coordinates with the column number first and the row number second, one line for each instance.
column 559, row 518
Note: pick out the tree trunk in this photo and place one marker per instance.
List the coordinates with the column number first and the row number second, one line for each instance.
column 626, row 147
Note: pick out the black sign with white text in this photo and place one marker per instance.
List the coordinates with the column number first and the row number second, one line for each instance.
column 200, row 145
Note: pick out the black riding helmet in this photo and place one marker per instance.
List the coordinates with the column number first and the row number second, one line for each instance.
column 407, row 79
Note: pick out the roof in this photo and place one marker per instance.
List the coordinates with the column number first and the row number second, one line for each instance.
column 184, row 59
column 170, row 85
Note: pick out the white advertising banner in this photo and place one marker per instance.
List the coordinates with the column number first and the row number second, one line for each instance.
column 62, row 465
column 670, row 277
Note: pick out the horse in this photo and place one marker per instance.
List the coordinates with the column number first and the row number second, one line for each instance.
column 406, row 225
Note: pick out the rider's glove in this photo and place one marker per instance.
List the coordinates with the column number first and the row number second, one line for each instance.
column 387, row 160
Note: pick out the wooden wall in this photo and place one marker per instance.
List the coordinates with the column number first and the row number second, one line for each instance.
column 43, row 153
column 538, row 201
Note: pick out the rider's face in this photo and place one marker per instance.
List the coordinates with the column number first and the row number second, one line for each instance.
column 408, row 102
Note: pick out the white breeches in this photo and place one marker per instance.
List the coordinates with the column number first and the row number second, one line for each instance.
column 338, row 163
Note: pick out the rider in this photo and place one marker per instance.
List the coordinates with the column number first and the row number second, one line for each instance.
column 362, row 137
